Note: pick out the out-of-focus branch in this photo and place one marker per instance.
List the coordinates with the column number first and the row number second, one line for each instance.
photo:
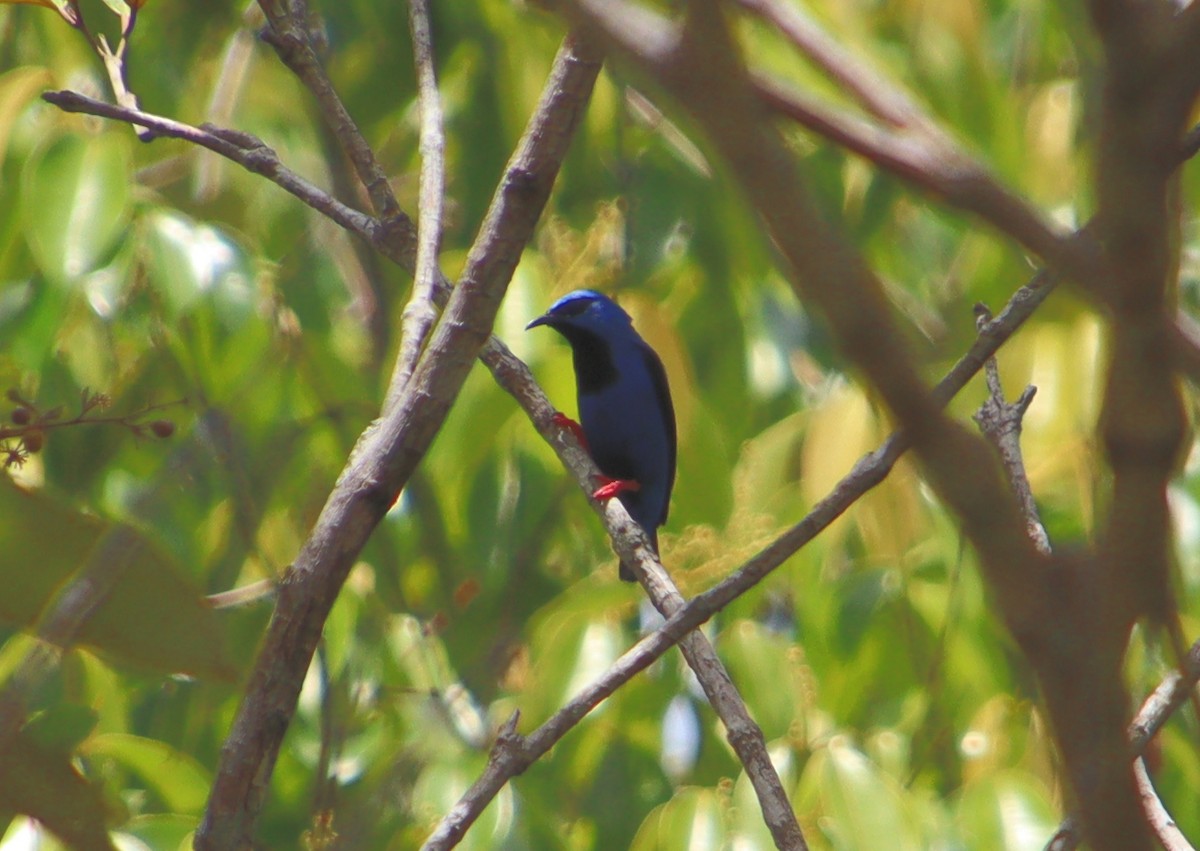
column 1174, row 691
column 934, row 163
column 876, row 93
column 1073, row 646
column 1149, row 86
column 420, row 313
column 385, row 456
column 910, row 143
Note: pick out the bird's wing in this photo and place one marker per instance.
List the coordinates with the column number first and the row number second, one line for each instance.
column 662, row 395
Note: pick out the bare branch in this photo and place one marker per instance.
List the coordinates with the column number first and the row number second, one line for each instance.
column 936, row 164
column 1144, row 107
column 1001, row 423
column 876, row 93
column 246, row 150
column 1164, row 827
column 385, row 456
column 420, row 313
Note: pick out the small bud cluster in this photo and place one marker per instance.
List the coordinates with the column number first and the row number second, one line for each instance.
column 30, row 424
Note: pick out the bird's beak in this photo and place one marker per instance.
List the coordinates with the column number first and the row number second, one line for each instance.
column 544, row 319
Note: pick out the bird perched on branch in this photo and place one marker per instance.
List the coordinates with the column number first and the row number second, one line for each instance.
column 626, row 420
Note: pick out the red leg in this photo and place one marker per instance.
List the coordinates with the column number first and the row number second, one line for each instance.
column 611, row 487
column 563, row 421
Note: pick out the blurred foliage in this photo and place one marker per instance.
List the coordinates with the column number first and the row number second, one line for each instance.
column 897, row 710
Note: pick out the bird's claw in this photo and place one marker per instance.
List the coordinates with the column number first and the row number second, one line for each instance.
column 612, row 487
column 563, row 421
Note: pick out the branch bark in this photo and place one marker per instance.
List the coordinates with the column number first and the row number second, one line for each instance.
column 420, row 314
column 386, row 454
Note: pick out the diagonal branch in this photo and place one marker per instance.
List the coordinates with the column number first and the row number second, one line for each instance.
column 909, row 142
column 289, row 35
column 386, row 455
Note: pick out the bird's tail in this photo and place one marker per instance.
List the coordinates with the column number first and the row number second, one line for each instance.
column 626, row 572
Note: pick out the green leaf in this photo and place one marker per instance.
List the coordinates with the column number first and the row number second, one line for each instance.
column 151, row 618
column 174, row 776
column 17, row 88
column 1008, row 811
column 159, row 831
column 694, row 818
column 759, row 663
column 75, row 201
column 62, row 727
column 41, row 783
column 864, row 808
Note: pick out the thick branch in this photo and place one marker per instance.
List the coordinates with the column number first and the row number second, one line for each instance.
column 385, row 456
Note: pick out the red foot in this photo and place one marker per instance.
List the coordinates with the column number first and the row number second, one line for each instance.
column 563, row 421
column 612, row 487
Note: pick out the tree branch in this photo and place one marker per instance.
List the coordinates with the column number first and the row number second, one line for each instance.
column 1001, row 423
column 1174, row 691
column 420, row 314
column 385, row 456
column 289, row 35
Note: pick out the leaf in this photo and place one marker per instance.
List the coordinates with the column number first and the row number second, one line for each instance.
column 159, row 831
column 865, row 808
column 693, row 818
column 174, row 776
column 152, row 618
column 760, row 663
column 1008, row 811
column 17, row 88
column 75, row 200
column 41, row 783
column 61, row 727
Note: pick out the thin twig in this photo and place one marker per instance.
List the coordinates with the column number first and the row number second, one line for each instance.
column 246, row 150
column 1001, row 422
column 420, row 313
column 1168, row 833
column 290, row 36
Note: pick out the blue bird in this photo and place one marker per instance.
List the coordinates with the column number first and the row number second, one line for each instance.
column 626, row 418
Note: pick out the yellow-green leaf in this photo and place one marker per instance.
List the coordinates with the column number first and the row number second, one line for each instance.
column 151, row 617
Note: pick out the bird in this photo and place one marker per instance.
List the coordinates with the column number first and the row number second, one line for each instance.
column 626, row 419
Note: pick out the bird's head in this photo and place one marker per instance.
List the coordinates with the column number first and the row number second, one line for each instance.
column 584, row 310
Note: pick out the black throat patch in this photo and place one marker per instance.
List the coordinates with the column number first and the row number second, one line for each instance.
column 594, row 367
